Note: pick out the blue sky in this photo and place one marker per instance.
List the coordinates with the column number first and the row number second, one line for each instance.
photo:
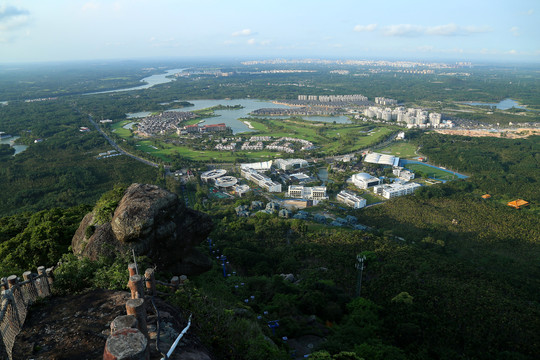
column 471, row 30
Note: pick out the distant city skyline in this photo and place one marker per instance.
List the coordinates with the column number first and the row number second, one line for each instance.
column 66, row 30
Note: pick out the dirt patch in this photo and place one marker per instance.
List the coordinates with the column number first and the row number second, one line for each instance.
column 503, row 133
column 76, row 327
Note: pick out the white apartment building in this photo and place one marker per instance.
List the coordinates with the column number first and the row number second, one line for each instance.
column 309, row 193
column 390, row 191
column 351, row 199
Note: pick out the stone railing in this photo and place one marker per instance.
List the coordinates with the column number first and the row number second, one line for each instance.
column 16, row 297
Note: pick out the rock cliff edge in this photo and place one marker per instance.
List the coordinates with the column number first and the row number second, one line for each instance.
column 153, row 222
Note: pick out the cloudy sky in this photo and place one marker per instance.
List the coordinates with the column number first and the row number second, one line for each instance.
column 467, row 30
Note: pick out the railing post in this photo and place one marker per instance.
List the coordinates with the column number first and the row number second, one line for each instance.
column 137, row 308
column 136, row 286
column 150, row 281
column 12, row 281
column 42, row 273
column 50, row 275
column 175, row 281
column 27, row 276
column 122, row 322
column 126, row 344
column 132, row 268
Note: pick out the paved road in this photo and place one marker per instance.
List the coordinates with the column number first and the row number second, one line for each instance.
column 118, row 148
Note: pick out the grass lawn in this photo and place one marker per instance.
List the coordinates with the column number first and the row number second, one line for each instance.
column 329, row 138
column 118, row 129
column 403, row 149
column 432, row 172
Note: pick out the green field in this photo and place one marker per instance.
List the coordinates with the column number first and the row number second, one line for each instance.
column 403, row 149
column 118, row 129
column 432, row 172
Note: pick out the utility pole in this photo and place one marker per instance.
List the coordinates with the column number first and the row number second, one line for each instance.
column 360, row 266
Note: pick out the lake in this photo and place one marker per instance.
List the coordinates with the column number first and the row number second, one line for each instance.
column 502, row 105
column 10, row 141
column 230, row 116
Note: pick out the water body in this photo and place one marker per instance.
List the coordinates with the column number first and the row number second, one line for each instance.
column 11, row 142
column 139, row 114
column 149, row 82
column 403, row 162
column 230, row 116
column 502, row 105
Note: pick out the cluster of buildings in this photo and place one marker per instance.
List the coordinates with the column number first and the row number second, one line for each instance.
column 333, row 98
column 163, row 122
column 226, row 147
column 255, row 143
column 219, row 178
column 260, row 179
column 297, row 111
column 108, row 154
column 285, row 144
column 196, row 128
column 385, row 101
column 410, row 116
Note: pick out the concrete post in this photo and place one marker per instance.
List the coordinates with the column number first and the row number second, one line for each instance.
column 132, row 268
column 44, row 280
column 137, row 308
column 126, row 344
column 150, row 281
column 135, row 284
column 12, row 281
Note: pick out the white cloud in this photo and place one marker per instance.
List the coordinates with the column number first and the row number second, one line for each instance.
column 364, row 28
column 514, row 30
column 11, row 19
column 409, row 30
column 244, row 32
column 91, row 6
column 512, row 52
column 251, row 41
column 530, row 12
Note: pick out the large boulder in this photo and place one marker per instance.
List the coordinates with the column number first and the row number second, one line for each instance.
column 153, row 222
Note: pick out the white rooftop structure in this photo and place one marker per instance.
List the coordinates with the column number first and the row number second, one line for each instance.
column 365, row 180
column 300, row 176
column 212, row 174
column 376, row 158
column 288, row 164
column 241, row 189
column 226, row 181
column 261, row 166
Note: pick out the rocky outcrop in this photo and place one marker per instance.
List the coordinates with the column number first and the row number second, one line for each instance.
column 154, row 223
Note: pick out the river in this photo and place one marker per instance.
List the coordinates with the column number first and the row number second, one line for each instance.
column 148, row 82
